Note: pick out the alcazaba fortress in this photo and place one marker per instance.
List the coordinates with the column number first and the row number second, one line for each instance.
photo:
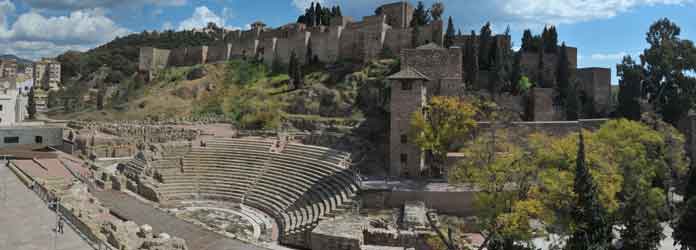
column 427, row 67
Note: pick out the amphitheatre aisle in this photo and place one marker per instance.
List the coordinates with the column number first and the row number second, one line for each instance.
column 196, row 237
column 26, row 223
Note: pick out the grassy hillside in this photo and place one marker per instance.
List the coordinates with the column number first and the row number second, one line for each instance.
column 244, row 92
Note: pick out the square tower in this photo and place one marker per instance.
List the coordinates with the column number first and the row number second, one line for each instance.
column 408, row 95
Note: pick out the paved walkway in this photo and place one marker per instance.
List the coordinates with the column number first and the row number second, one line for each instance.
column 196, row 237
column 26, row 223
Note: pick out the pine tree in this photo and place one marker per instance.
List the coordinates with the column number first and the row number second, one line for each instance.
column 592, row 229
column 484, row 46
column 630, row 82
column 449, row 35
column 31, row 104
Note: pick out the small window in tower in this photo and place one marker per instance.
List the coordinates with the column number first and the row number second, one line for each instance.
column 406, row 85
column 11, row 140
column 38, row 139
column 404, row 139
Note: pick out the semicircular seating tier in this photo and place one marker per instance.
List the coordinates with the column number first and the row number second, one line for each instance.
column 298, row 185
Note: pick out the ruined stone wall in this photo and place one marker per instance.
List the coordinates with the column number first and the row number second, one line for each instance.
column 382, row 237
column 458, row 203
column 177, row 57
column 219, row 52
column 331, row 242
column 196, row 55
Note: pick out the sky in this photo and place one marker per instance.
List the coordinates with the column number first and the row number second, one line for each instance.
column 602, row 30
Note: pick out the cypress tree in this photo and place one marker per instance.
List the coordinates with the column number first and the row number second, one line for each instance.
column 472, row 62
column 415, row 31
column 449, row 35
column 592, row 230
column 31, row 104
column 100, row 98
column 540, row 70
column 338, row 11
column 420, row 15
column 564, row 86
column 527, row 41
column 630, row 81
column 318, row 13
column 686, row 226
column 484, row 46
column 292, row 66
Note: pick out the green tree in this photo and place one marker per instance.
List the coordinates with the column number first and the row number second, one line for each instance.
column 449, row 35
column 31, row 104
column 630, row 81
column 592, row 230
column 641, row 220
column 670, row 89
column 448, row 119
column 691, row 185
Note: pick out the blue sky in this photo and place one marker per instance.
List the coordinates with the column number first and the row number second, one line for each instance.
column 603, row 30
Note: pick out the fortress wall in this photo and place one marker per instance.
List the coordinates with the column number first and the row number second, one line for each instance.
column 219, row 52
column 267, row 50
column 333, row 44
column 542, row 105
column 177, row 57
column 340, row 21
column 431, row 33
column 283, row 50
column 320, row 46
column 397, row 39
column 596, row 83
column 374, row 42
column 196, row 55
column 398, row 14
column 351, row 46
column 529, row 65
column 152, row 58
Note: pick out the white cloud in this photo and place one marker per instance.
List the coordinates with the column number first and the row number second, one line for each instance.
column 200, row 18
column 33, row 35
column 608, row 56
column 167, row 26
column 80, row 27
column 90, row 4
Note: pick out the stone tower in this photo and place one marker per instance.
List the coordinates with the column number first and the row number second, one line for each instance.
column 408, row 95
